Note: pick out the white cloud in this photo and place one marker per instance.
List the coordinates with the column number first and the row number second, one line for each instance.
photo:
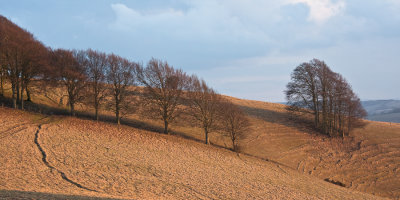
column 322, row 10
column 240, row 21
column 223, row 20
column 128, row 18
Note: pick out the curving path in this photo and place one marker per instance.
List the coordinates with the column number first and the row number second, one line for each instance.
column 44, row 159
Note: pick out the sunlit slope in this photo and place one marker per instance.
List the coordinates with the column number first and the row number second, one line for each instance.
column 368, row 162
column 55, row 156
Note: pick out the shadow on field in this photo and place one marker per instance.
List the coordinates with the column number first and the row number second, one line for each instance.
column 35, row 107
column 13, row 194
column 149, row 127
column 49, row 110
column 282, row 118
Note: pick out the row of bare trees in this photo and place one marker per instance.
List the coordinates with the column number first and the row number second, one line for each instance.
column 169, row 93
column 165, row 93
column 315, row 87
column 212, row 112
column 110, row 82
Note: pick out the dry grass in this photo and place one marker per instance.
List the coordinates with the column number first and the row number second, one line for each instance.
column 128, row 163
column 369, row 161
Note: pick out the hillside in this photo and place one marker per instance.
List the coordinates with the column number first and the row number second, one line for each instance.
column 62, row 157
column 369, row 161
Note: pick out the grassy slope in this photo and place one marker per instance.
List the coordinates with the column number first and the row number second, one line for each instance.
column 124, row 162
column 368, row 162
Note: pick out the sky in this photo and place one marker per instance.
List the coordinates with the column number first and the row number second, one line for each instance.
column 242, row 48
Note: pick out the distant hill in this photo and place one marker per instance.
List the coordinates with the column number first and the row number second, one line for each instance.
column 383, row 110
column 379, row 110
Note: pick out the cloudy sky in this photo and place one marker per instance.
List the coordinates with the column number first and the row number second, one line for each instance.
column 242, row 48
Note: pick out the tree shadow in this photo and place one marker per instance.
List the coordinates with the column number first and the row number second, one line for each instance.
column 34, row 107
column 40, row 108
column 87, row 115
column 159, row 129
column 14, row 194
column 301, row 123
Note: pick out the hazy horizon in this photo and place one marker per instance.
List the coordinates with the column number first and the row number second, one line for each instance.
column 245, row 49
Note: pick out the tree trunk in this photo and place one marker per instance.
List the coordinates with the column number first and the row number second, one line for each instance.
column 72, row 108
column 18, row 92
column 13, row 95
column 233, row 145
column 117, row 109
column 96, row 100
column 28, row 94
column 324, row 116
column 97, row 113
column 207, row 140
column 96, row 108
column 166, row 127
column 22, row 98
column 316, row 111
column 1, row 84
column 117, row 118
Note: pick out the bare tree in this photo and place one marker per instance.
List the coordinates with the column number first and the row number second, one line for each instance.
column 302, row 91
column 71, row 74
column 355, row 113
column 35, row 58
column 163, row 90
column 234, row 122
column 204, row 104
column 21, row 59
column 12, row 54
column 316, row 87
column 120, row 75
column 325, row 78
column 96, row 66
